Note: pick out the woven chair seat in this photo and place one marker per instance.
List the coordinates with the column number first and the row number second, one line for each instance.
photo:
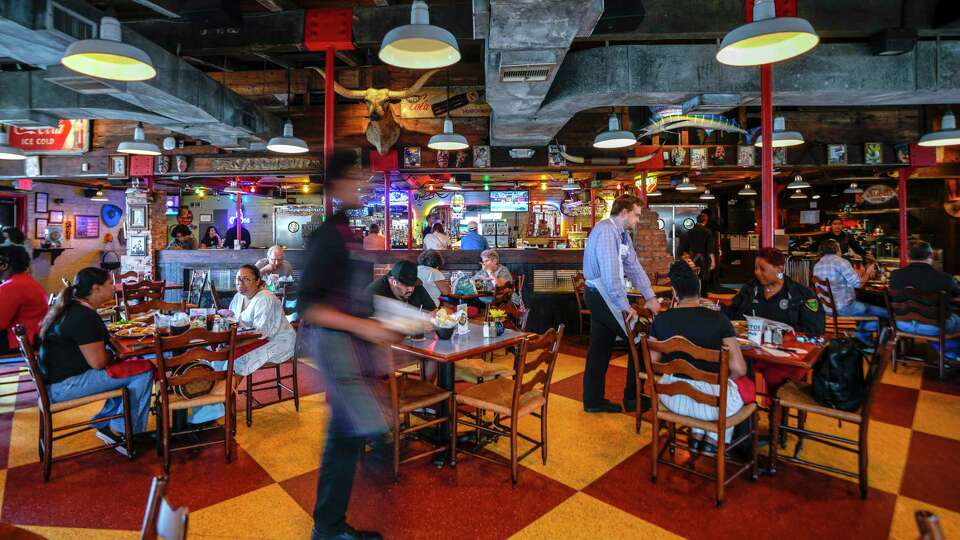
column 743, row 414
column 497, row 395
column 475, row 370
column 73, row 403
column 793, row 395
column 416, row 394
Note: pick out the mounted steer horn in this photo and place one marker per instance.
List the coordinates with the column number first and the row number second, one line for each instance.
column 382, row 129
column 608, row 160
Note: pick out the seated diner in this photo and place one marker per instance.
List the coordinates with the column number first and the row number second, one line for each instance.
column 402, row 283
column 274, row 263
column 22, row 299
column 921, row 275
column 428, row 271
column 844, row 280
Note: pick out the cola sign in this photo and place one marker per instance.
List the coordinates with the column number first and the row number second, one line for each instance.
column 69, row 137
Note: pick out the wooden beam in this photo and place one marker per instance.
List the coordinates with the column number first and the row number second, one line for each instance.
column 278, row 5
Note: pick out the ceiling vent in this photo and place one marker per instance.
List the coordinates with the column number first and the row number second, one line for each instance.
column 527, row 66
column 69, row 23
column 87, row 85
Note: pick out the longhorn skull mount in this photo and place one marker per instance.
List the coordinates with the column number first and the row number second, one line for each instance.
column 382, row 128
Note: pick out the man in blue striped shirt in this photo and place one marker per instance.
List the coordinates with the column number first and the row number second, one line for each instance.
column 607, row 257
column 844, row 281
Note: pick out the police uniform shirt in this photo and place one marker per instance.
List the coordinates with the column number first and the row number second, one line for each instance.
column 794, row 304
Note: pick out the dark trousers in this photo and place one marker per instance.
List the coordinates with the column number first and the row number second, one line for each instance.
column 604, row 330
column 335, row 484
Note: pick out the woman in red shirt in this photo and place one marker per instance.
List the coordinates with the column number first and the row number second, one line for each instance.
column 22, row 299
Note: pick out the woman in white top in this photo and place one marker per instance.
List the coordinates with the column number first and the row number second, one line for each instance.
column 437, row 239
column 434, row 282
column 254, row 306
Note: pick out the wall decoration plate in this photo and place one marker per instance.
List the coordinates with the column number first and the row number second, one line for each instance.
column 110, row 214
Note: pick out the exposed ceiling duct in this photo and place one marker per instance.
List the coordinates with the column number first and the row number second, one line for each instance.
column 181, row 98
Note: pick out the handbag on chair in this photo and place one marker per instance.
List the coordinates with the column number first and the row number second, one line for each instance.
column 193, row 389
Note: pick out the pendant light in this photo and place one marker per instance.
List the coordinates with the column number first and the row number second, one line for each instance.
column 452, row 185
column 419, row 45
column 100, row 196
column 815, row 196
column 853, row 189
column 798, row 183
column 768, row 39
column 948, row 135
column 747, row 191
column 685, row 185
column 7, row 151
column 571, row 185
column 614, row 137
column 706, row 195
column 139, row 145
column 798, row 194
column 109, row 57
column 449, row 139
column 781, row 137
column 287, row 143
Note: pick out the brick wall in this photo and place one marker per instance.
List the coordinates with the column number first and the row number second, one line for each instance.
column 83, row 252
column 156, row 232
column 651, row 244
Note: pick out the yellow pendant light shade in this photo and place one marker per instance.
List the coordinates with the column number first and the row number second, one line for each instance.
column 768, row 39
column 419, row 45
column 108, row 57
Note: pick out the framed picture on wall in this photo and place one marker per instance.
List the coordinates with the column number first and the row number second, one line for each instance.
column 41, row 203
column 137, row 246
column 836, row 154
column 137, row 218
column 40, row 224
column 87, row 226
column 56, row 216
column 118, row 167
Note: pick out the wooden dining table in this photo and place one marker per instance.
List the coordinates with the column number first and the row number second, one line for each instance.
column 134, row 347
column 168, row 285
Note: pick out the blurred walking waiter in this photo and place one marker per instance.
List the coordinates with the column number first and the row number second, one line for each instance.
column 338, row 334
column 609, row 254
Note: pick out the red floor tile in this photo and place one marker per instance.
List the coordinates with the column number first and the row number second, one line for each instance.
column 6, row 427
column 197, row 479
column 894, row 404
column 932, row 474
column 474, row 500
column 796, row 503
column 572, row 387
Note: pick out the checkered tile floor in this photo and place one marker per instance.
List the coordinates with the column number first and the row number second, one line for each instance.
column 596, row 483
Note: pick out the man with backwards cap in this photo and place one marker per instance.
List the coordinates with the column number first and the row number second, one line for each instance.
column 403, row 284
column 473, row 240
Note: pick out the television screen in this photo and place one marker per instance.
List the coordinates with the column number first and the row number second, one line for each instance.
column 173, row 205
column 509, row 201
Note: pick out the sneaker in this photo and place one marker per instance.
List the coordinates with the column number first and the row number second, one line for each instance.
column 108, row 438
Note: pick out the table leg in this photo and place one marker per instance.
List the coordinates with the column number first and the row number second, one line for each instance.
column 445, row 379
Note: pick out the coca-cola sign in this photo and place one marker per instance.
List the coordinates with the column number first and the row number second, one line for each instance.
column 69, row 137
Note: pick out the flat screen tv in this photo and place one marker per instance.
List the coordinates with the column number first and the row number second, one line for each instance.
column 173, row 205
column 509, row 201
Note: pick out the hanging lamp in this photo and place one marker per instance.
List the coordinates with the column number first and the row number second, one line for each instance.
column 747, row 191
column 686, row 185
column 706, row 195
column 798, row 194
column 139, row 145
column 798, row 183
column 9, row 152
column 571, row 185
column 614, row 137
column 947, row 135
column 768, row 39
column 655, row 193
column 449, row 139
column 109, row 57
column 287, row 144
column 781, row 137
column 419, row 45
column 452, row 185
column 99, row 196
column 853, row 189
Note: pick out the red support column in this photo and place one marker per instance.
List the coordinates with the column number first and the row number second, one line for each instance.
column 410, row 220
column 643, row 188
column 328, row 101
column 386, row 210
column 593, row 208
column 239, row 218
column 768, row 195
column 902, row 202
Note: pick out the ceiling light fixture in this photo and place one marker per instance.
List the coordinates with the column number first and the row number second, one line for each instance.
column 571, row 185
column 853, row 189
column 768, row 39
column 449, row 139
column 747, row 191
column 100, row 196
column 798, row 183
column 419, row 45
column 287, row 144
column 138, row 146
column 109, row 57
column 452, row 185
column 706, row 195
column 781, row 137
column 948, row 135
column 798, row 194
column 233, row 189
column 686, row 185
column 815, row 196
column 7, row 151
column 614, row 137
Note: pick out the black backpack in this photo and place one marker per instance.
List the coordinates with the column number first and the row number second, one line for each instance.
column 838, row 380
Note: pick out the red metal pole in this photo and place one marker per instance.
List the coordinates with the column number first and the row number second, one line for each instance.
column 328, row 101
column 902, row 202
column 239, row 218
column 768, row 195
column 386, row 209
column 410, row 221
column 593, row 208
column 643, row 188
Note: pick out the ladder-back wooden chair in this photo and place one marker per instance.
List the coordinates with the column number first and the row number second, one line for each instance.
column 527, row 394
column 660, row 414
column 47, row 410
column 160, row 520
column 274, row 382
column 579, row 288
column 799, row 396
column 193, row 294
column 640, row 326
column 930, row 308
column 134, row 310
column 182, row 360
column 841, row 325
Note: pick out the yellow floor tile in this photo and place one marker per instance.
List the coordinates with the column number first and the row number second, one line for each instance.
column 582, row 446
column 66, row 533
column 267, row 513
column 26, row 429
column 3, row 484
column 938, row 414
column 904, row 526
column 582, row 516
column 888, row 446
column 567, row 366
column 909, row 376
column 6, row 386
column 283, row 442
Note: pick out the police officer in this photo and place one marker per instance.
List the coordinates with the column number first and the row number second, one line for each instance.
column 772, row 295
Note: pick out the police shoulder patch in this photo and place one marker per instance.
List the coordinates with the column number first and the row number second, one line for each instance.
column 812, row 304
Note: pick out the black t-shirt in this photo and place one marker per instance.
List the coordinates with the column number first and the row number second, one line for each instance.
column 704, row 327
column 231, row 237
column 924, row 278
column 698, row 241
column 208, row 242
column 419, row 298
column 336, row 275
column 60, row 356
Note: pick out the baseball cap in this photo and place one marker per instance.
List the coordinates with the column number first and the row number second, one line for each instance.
column 405, row 272
column 472, row 226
